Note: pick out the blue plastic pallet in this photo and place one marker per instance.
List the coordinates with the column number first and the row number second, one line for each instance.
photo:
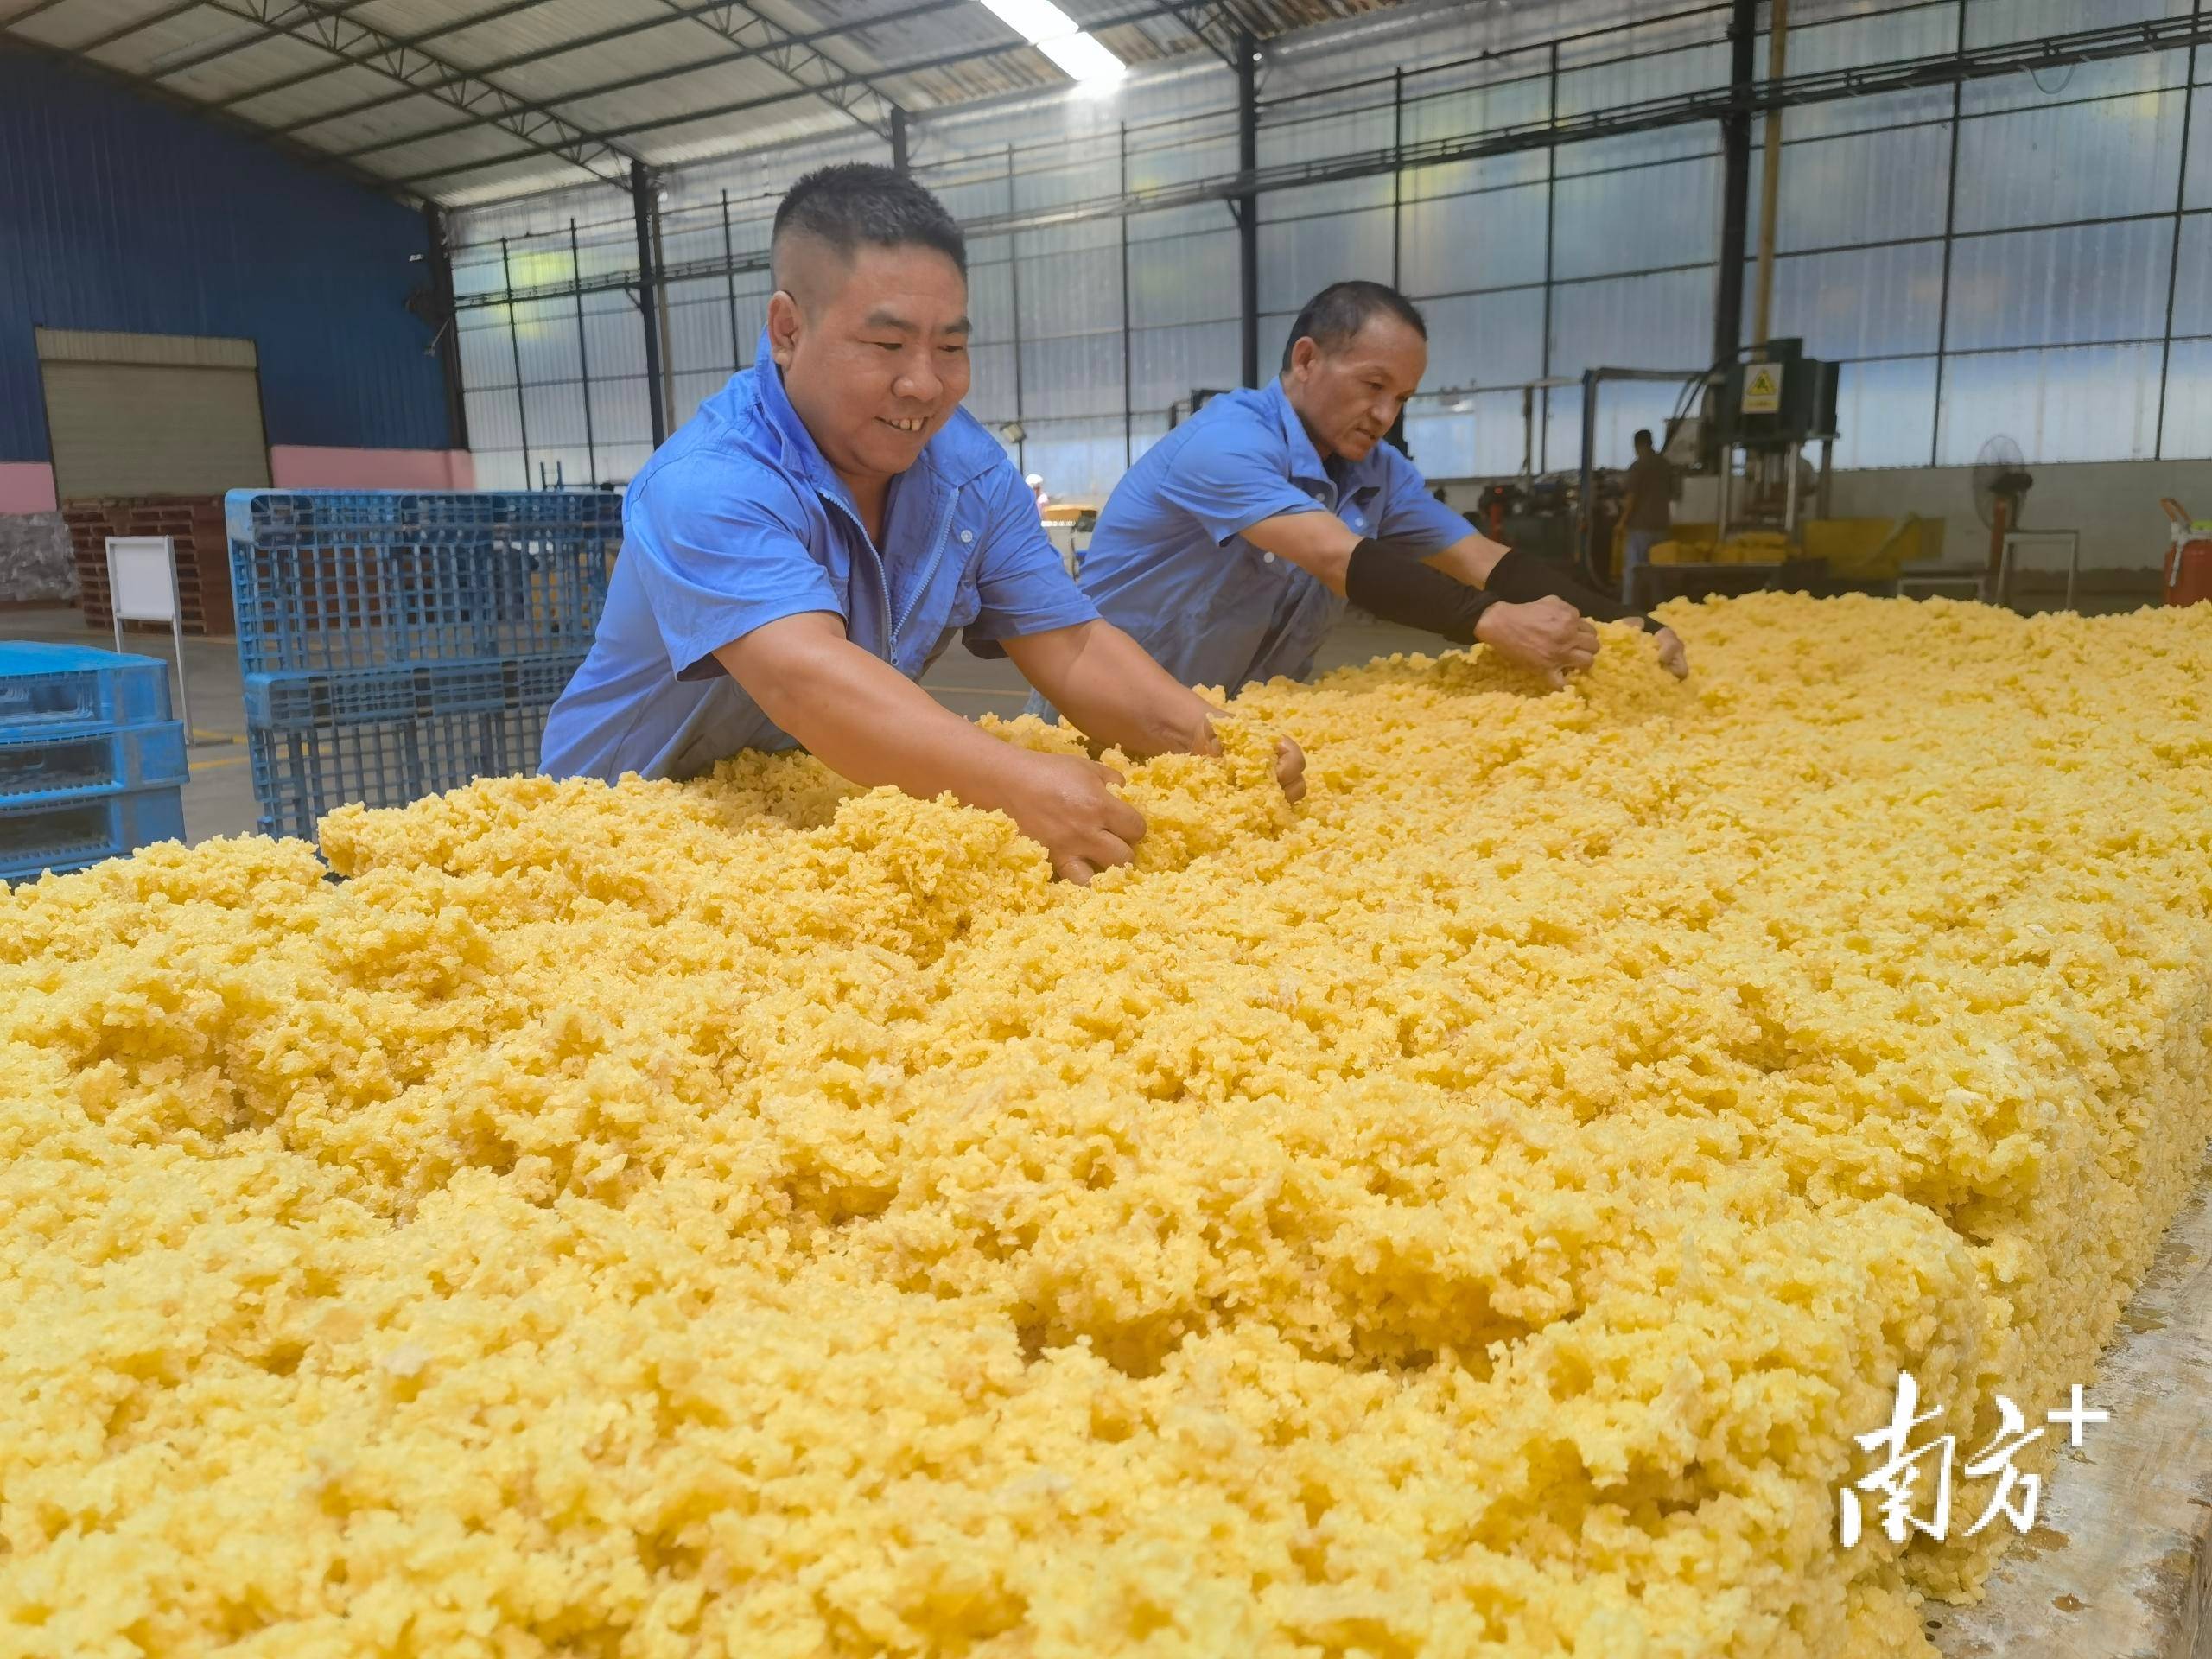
column 68, row 761
column 70, row 834
column 296, row 700
column 325, row 580
column 45, row 689
column 300, row 775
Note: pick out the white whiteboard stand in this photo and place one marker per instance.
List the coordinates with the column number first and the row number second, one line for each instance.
column 142, row 587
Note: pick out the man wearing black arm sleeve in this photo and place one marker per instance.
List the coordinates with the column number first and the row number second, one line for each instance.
column 1233, row 545
column 1389, row 579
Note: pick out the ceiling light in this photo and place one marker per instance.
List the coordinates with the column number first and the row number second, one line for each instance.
column 1033, row 20
column 1055, row 34
column 1085, row 61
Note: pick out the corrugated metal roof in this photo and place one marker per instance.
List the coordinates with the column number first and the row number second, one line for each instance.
column 467, row 100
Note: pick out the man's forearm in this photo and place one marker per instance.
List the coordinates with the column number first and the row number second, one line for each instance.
column 865, row 721
column 1113, row 692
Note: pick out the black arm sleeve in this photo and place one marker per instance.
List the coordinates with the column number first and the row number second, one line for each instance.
column 1521, row 577
column 1390, row 581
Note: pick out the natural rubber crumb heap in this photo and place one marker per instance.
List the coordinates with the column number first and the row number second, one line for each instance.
column 1467, row 1213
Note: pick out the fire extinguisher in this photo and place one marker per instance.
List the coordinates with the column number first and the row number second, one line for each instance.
column 2188, row 573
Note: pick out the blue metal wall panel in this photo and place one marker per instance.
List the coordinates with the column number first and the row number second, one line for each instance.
column 118, row 212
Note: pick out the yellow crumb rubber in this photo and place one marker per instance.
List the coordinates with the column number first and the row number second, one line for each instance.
column 1470, row 1212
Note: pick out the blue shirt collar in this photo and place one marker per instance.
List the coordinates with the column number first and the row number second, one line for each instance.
column 1305, row 460
column 800, row 453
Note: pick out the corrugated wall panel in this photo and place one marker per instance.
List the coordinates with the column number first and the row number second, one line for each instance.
column 123, row 214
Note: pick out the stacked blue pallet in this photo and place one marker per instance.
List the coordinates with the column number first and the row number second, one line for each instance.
column 91, row 764
column 394, row 643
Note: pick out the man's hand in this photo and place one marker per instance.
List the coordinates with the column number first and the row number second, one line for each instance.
column 1548, row 635
column 1673, row 656
column 1103, row 683
column 1067, row 803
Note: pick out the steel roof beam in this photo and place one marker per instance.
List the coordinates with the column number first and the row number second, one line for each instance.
column 832, row 82
column 324, row 23
column 1197, row 15
column 582, row 42
column 417, row 39
column 223, row 49
column 744, row 106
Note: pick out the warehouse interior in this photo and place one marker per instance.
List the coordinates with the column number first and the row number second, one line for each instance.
column 307, row 307
column 409, row 241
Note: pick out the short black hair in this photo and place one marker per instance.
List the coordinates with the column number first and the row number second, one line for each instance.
column 854, row 203
column 1342, row 309
column 1643, row 436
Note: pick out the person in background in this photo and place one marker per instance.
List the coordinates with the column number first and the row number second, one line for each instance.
column 1646, row 513
column 803, row 548
column 1036, row 482
column 1235, row 543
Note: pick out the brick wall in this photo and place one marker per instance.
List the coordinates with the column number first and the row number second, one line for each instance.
column 194, row 524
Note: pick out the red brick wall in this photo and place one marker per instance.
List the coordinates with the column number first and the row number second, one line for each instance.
column 194, row 524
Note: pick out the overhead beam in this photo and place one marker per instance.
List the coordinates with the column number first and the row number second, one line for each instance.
column 85, row 48
column 325, row 24
column 601, row 37
column 852, row 95
column 221, row 48
column 285, row 83
column 746, row 106
column 28, row 13
column 1201, row 19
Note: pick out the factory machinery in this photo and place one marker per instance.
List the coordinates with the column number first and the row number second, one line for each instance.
column 1763, row 426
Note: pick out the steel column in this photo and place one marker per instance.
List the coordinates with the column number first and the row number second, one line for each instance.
column 641, row 210
column 1736, row 179
column 1247, row 205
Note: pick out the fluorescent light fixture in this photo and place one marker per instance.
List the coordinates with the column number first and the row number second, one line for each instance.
column 1033, row 20
column 1055, row 34
column 1086, row 61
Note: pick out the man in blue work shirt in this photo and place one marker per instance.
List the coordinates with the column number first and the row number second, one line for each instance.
column 1232, row 546
column 807, row 544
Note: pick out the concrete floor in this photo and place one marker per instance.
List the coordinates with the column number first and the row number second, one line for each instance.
column 218, row 798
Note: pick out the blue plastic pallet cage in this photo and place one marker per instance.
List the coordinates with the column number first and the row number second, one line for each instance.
column 302, row 773
column 395, row 644
column 294, row 702
column 57, row 765
column 48, row 688
column 85, row 827
column 329, row 580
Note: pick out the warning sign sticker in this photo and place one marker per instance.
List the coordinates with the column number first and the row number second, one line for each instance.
column 1763, row 390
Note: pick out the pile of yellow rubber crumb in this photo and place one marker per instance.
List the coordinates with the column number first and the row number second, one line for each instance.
column 1468, row 1213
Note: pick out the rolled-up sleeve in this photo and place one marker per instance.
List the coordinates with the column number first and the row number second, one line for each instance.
column 1409, row 511
column 1233, row 475
column 717, row 559
column 1021, row 587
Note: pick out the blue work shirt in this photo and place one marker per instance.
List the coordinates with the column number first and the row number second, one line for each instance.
column 1169, row 563
column 736, row 521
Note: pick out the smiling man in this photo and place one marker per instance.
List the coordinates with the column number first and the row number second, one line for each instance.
column 1233, row 545
column 809, row 543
